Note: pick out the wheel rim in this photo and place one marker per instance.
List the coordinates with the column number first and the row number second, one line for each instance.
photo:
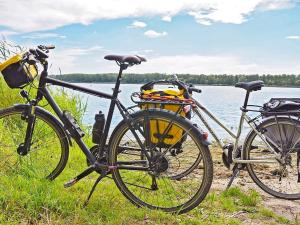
column 45, row 152
column 275, row 178
column 177, row 187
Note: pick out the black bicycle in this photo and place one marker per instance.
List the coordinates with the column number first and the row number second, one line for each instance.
column 140, row 159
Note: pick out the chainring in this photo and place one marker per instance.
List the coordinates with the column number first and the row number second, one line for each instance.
column 100, row 156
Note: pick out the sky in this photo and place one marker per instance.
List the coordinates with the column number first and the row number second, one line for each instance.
column 176, row 36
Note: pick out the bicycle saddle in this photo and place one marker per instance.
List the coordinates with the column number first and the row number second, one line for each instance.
column 131, row 59
column 251, row 86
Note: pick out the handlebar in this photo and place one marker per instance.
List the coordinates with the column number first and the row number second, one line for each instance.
column 46, row 47
column 37, row 55
column 193, row 89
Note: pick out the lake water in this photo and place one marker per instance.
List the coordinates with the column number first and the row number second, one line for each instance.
column 223, row 101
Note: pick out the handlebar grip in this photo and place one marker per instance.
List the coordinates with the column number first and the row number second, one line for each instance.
column 50, row 46
column 31, row 59
column 193, row 89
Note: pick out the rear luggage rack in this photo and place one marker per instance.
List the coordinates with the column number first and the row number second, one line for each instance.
column 137, row 98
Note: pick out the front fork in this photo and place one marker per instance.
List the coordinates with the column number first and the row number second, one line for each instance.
column 29, row 116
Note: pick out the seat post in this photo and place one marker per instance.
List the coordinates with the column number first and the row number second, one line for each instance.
column 246, row 100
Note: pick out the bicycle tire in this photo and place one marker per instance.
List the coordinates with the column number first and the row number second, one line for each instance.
column 46, row 127
column 205, row 178
column 272, row 178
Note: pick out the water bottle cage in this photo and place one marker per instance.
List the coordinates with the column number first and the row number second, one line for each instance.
column 98, row 128
column 72, row 126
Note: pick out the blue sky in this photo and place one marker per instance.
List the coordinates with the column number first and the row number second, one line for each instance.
column 237, row 36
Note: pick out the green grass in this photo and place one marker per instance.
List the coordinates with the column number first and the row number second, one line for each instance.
column 25, row 199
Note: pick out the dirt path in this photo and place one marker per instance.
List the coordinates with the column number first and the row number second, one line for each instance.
column 286, row 208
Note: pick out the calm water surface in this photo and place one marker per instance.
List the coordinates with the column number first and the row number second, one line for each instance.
column 223, row 101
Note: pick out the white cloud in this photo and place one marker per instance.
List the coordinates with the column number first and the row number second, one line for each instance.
column 235, row 11
column 215, row 64
column 142, row 52
column 137, row 24
column 200, row 18
column 71, row 60
column 293, row 37
column 46, row 15
column 166, row 18
column 154, row 34
column 196, row 64
column 6, row 33
column 274, row 5
column 80, row 51
column 43, row 36
column 86, row 61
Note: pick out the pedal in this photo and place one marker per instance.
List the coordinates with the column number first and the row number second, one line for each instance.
column 70, row 183
column 86, row 172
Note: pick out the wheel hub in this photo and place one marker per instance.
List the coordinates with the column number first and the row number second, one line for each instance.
column 288, row 159
column 160, row 163
column 21, row 150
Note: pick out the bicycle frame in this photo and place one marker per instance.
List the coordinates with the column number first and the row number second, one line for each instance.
column 44, row 92
column 244, row 117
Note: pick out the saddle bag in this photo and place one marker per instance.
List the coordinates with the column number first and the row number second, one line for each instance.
column 282, row 106
column 287, row 107
column 17, row 73
column 169, row 99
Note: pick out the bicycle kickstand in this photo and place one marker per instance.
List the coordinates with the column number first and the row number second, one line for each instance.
column 103, row 174
column 235, row 172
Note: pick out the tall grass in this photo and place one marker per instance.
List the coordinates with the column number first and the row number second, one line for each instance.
column 72, row 103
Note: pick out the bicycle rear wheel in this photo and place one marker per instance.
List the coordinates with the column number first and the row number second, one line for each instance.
column 49, row 148
column 277, row 179
column 178, row 175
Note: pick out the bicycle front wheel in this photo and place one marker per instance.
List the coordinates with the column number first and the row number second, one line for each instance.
column 48, row 152
column 280, row 179
column 172, row 175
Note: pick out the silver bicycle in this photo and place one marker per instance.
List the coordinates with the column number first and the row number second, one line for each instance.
column 271, row 150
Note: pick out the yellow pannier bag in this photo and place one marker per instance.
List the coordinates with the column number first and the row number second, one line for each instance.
column 16, row 72
column 174, row 134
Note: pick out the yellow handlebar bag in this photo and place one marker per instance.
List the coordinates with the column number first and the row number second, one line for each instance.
column 16, row 72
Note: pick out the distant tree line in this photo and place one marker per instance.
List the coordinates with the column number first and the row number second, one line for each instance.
column 283, row 80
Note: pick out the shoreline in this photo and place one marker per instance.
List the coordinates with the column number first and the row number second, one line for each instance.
column 212, row 85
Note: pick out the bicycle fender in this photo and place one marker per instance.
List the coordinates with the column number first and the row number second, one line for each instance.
column 49, row 115
column 265, row 120
column 199, row 131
